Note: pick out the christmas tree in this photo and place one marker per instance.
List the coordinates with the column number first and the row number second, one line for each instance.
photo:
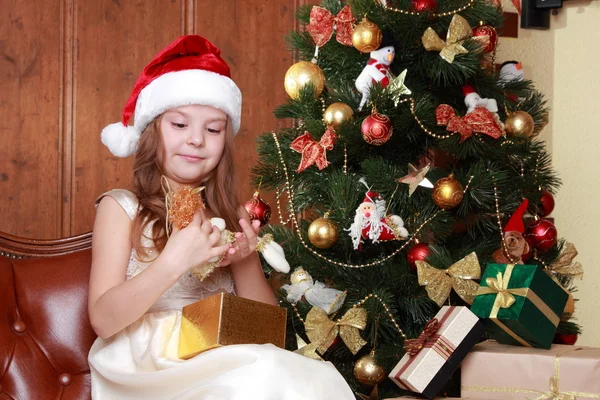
column 411, row 160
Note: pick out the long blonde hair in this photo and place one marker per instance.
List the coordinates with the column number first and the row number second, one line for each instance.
column 220, row 195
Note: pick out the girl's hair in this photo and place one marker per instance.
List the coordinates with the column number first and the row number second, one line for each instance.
column 220, row 194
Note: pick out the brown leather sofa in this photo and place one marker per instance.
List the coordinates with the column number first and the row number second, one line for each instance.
column 45, row 333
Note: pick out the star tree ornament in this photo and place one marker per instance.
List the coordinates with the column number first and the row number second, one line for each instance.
column 459, row 276
column 416, row 178
column 397, row 88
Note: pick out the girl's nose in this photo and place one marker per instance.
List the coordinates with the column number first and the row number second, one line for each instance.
column 196, row 138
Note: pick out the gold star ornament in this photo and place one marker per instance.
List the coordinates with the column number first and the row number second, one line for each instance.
column 415, row 178
column 397, row 88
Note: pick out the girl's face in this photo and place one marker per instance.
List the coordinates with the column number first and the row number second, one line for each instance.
column 193, row 139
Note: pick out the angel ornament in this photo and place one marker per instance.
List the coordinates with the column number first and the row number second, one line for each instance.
column 315, row 292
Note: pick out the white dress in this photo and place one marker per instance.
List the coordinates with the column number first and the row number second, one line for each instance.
column 141, row 362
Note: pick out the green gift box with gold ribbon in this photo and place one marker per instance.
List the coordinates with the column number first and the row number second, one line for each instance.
column 520, row 303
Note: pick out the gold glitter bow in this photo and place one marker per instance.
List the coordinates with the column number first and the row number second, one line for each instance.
column 458, row 31
column 414, row 346
column 439, row 282
column 564, row 264
column 505, row 297
column 323, row 331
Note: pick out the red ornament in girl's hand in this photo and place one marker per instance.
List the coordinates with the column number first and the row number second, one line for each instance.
column 258, row 209
column 423, row 6
column 419, row 252
column 542, row 234
column 546, row 204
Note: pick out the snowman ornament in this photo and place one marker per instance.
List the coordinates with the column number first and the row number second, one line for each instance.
column 377, row 69
column 473, row 100
column 511, row 71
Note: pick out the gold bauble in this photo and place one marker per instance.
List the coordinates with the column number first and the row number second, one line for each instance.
column 447, row 192
column 368, row 372
column 366, row 36
column 323, row 233
column 519, row 123
column 337, row 113
column 303, row 73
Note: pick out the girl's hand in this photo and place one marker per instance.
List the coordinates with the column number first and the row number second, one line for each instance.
column 193, row 245
column 245, row 243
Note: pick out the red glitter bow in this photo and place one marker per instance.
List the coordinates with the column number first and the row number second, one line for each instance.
column 322, row 23
column 481, row 120
column 314, row 152
column 414, row 346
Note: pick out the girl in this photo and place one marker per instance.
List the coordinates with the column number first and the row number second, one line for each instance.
column 187, row 110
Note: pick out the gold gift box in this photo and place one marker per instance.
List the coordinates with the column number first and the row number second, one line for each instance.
column 225, row 319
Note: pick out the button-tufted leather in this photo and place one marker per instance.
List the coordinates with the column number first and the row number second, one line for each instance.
column 45, row 334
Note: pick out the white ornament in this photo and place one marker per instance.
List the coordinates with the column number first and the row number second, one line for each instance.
column 511, row 71
column 376, row 70
column 273, row 253
column 315, row 293
column 473, row 100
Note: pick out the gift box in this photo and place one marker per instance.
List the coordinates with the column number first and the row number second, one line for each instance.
column 521, row 303
column 497, row 371
column 225, row 319
column 431, row 359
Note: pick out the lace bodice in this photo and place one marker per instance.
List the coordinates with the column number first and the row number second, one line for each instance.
column 188, row 288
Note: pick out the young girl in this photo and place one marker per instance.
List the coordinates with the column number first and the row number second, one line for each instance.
column 187, row 110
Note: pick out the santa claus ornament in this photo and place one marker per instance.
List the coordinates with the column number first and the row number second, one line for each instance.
column 377, row 69
column 372, row 223
column 515, row 243
column 473, row 100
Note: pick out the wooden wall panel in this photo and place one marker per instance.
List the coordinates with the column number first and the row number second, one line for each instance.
column 31, row 60
column 115, row 39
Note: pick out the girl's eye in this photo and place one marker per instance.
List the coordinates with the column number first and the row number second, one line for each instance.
column 213, row 130
column 178, row 126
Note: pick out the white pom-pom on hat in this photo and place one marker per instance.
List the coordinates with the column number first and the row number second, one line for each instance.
column 121, row 140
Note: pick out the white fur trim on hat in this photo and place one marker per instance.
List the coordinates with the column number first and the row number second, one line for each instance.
column 171, row 90
column 121, row 140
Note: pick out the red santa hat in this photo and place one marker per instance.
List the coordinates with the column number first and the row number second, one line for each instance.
column 188, row 71
column 370, row 197
column 468, row 89
column 515, row 223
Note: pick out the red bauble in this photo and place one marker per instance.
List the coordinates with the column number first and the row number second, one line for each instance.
column 423, row 6
column 419, row 252
column 546, row 204
column 492, row 37
column 565, row 338
column 376, row 129
column 542, row 234
column 258, row 209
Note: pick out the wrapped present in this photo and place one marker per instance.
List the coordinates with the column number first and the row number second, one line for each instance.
column 497, row 371
column 522, row 304
column 225, row 319
column 431, row 358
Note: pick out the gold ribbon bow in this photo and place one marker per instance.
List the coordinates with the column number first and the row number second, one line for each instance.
column 564, row 264
column 322, row 24
column 458, row 31
column 314, row 152
column 414, row 346
column 322, row 331
column 554, row 393
column 505, row 297
column 439, row 282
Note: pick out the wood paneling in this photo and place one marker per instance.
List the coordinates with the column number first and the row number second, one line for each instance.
column 115, row 40
column 31, row 121
column 68, row 66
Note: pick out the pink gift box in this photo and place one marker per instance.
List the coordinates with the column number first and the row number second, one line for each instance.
column 429, row 370
column 497, row 371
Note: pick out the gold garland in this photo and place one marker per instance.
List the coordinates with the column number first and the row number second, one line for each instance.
column 503, row 243
column 444, row 14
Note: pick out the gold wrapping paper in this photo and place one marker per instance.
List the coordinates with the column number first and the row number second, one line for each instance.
column 495, row 371
column 225, row 319
column 458, row 31
column 439, row 282
column 322, row 331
